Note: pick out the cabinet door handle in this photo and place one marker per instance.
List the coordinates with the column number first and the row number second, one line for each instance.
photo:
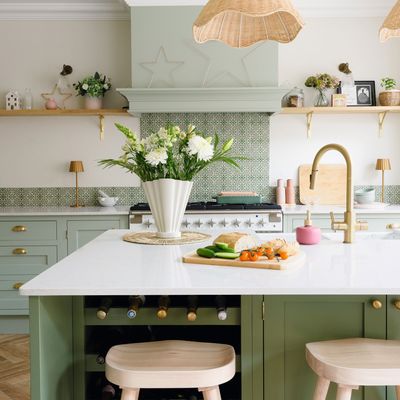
column 396, row 304
column 19, row 228
column 17, row 285
column 19, row 251
column 376, row 304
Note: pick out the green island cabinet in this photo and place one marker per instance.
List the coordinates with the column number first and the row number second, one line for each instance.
column 30, row 245
column 271, row 353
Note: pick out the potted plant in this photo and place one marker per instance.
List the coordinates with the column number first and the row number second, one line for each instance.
column 322, row 82
column 390, row 96
column 93, row 88
column 167, row 161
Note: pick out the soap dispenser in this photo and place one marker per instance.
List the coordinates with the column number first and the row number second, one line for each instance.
column 308, row 234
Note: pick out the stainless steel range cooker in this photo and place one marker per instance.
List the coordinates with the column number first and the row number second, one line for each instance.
column 259, row 218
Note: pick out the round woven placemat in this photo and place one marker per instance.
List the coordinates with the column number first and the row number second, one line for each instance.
column 151, row 238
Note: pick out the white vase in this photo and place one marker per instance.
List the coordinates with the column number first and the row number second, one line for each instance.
column 168, row 199
column 93, row 103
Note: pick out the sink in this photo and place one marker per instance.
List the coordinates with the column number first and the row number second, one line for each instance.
column 338, row 236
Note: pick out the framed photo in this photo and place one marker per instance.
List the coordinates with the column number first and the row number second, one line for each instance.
column 339, row 100
column 362, row 94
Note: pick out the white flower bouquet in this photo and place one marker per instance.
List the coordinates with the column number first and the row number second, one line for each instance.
column 171, row 153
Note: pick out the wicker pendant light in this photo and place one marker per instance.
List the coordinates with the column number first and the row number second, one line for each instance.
column 391, row 25
column 241, row 23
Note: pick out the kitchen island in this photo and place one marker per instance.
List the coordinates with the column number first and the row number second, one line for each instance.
column 341, row 291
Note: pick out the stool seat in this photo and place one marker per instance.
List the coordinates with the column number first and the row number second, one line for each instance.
column 170, row 364
column 356, row 362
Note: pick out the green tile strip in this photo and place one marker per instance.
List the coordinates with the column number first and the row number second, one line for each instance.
column 252, row 140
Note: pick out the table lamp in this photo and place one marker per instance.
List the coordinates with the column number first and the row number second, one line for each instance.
column 383, row 164
column 76, row 166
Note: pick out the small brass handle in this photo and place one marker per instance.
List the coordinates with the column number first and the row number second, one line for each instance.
column 19, row 228
column 376, row 304
column 17, row 285
column 397, row 304
column 19, row 251
column 393, row 227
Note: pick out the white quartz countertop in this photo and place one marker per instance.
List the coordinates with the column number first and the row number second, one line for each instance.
column 124, row 210
column 109, row 266
column 61, row 211
column 301, row 209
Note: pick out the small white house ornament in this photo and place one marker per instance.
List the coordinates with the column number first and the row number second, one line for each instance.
column 13, row 100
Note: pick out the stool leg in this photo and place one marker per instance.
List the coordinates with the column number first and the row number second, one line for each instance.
column 321, row 389
column 211, row 393
column 398, row 392
column 344, row 392
column 130, row 394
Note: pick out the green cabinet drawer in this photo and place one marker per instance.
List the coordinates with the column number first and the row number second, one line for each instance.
column 28, row 230
column 34, row 260
column 10, row 298
column 322, row 222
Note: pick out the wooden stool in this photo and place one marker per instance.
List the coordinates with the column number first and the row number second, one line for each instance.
column 352, row 363
column 170, row 364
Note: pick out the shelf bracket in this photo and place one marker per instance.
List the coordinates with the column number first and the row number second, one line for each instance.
column 309, row 124
column 382, row 116
column 101, row 121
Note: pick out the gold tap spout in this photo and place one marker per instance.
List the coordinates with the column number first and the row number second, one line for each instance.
column 348, row 225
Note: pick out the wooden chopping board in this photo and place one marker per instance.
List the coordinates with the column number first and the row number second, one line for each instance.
column 330, row 187
column 292, row 262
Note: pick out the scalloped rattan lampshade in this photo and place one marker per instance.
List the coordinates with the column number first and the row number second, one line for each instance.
column 241, row 23
column 391, row 25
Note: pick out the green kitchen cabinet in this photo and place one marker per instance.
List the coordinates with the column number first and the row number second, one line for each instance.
column 82, row 231
column 376, row 222
column 292, row 321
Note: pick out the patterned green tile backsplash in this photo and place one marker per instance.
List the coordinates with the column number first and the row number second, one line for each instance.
column 252, row 140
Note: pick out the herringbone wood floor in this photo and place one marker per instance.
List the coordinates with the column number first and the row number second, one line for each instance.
column 14, row 367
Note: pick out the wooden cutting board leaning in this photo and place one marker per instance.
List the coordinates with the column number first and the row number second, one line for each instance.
column 292, row 262
column 330, row 187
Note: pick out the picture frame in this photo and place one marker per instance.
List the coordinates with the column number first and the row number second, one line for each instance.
column 362, row 94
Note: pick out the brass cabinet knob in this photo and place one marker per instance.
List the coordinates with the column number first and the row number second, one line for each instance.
column 17, row 285
column 376, row 304
column 396, row 304
column 393, row 227
column 19, row 251
column 19, row 228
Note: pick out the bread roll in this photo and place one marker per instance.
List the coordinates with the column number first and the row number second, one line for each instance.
column 237, row 241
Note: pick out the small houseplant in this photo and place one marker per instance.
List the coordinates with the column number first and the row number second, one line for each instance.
column 167, row 161
column 93, row 88
column 390, row 96
column 322, row 82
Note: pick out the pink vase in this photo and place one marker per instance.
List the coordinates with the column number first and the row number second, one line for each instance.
column 93, row 103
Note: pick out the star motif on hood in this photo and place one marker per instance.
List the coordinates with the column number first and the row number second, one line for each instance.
column 162, row 69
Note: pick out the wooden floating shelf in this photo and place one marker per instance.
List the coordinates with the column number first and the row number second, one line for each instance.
column 61, row 113
column 309, row 112
column 67, row 113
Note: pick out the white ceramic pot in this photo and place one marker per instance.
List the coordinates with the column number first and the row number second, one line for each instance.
column 93, row 103
column 168, row 199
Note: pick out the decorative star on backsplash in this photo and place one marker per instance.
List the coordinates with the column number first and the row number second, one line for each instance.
column 162, row 69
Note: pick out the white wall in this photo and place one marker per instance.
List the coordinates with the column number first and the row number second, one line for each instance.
column 322, row 45
column 34, row 152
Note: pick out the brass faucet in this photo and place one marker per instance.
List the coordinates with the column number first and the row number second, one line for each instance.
column 349, row 225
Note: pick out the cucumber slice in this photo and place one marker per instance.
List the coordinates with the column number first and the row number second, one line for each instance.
column 222, row 246
column 228, row 256
column 207, row 253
